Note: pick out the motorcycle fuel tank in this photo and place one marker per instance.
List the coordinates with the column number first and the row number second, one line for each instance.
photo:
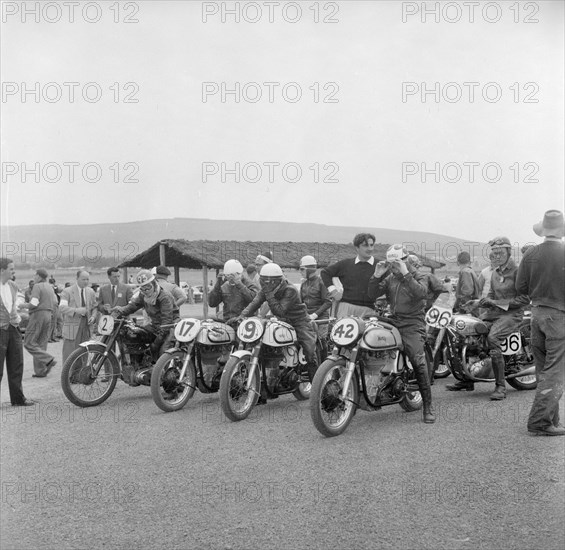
column 279, row 333
column 222, row 334
column 468, row 325
column 381, row 338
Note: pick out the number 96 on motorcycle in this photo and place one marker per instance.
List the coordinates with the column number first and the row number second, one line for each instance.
column 438, row 317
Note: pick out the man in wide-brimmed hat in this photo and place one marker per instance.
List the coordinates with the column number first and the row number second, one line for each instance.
column 542, row 275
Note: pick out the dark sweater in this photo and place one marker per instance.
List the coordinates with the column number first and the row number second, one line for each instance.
column 354, row 278
column 541, row 275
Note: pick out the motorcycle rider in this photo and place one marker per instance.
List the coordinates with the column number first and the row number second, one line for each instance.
column 232, row 290
column 504, row 311
column 158, row 304
column 285, row 303
column 405, row 290
column 315, row 295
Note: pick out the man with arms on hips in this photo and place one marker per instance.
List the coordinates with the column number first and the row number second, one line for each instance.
column 405, row 291
column 541, row 275
column 78, row 303
column 354, row 274
column 42, row 310
column 11, row 349
column 115, row 293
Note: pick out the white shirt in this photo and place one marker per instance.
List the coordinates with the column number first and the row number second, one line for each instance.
column 371, row 260
column 7, row 297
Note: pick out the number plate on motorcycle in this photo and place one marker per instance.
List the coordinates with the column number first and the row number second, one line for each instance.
column 438, row 316
column 187, row 329
column 512, row 344
column 345, row 331
column 250, row 330
column 106, row 325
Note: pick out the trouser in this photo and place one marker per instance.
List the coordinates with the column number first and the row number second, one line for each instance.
column 307, row 337
column 413, row 333
column 12, row 352
column 501, row 328
column 345, row 309
column 35, row 342
column 56, row 324
column 82, row 335
column 548, row 346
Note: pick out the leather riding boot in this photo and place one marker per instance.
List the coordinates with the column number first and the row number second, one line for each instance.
column 499, row 392
column 421, row 372
column 461, row 385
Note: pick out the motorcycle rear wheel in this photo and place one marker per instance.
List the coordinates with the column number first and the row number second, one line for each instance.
column 79, row 366
column 237, row 402
column 330, row 414
column 302, row 393
column 525, row 382
column 168, row 391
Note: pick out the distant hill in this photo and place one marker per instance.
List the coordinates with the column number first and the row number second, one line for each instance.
column 115, row 242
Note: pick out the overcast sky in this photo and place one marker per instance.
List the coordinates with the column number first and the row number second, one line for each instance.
column 371, row 143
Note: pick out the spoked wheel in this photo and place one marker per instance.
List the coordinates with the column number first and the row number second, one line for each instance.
column 169, row 392
column 237, row 401
column 81, row 385
column 330, row 413
column 441, row 370
column 522, row 362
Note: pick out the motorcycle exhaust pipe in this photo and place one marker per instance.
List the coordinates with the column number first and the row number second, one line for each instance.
column 527, row 372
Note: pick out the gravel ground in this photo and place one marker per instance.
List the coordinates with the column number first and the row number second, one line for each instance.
column 126, row 475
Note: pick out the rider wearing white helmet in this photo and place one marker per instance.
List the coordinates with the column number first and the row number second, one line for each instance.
column 405, row 291
column 285, row 303
column 232, row 290
column 158, row 304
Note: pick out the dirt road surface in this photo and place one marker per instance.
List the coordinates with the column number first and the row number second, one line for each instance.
column 126, row 475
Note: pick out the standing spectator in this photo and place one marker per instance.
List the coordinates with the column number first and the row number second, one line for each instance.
column 179, row 297
column 190, row 292
column 541, row 275
column 11, row 350
column 232, row 291
column 315, row 295
column 115, row 293
column 77, row 305
column 42, row 307
column 354, row 274
column 27, row 292
column 468, row 284
column 485, row 276
column 57, row 322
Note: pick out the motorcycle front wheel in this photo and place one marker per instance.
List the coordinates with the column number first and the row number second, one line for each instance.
column 330, row 413
column 237, row 401
column 169, row 392
column 529, row 382
column 80, row 386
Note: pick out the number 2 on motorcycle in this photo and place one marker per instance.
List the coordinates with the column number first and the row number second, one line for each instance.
column 438, row 316
column 345, row 331
column 106, row 325
column 511, row 344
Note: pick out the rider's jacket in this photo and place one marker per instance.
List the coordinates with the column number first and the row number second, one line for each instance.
column 314, row 294
column 234, row 297
column 160, row 313
column 285, row 304
column 503, row 292
column 406, row 294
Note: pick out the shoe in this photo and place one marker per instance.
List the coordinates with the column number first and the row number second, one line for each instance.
column 38, row 375
column 549, row 430
column 429, row 416
column 49, row 366
column 461, row 386
column 25, row 403
column 498, row 394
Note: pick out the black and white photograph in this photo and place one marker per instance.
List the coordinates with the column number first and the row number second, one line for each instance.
column 282, row 275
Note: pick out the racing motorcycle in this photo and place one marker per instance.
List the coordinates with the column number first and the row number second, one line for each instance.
column 367, row 368
column 268, row 363
column 91, row 372
column 461, row 347
column 195, row 362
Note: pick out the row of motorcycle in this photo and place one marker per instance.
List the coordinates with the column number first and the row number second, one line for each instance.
column 362, row 364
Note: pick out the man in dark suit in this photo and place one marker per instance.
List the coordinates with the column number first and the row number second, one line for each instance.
column 113, row 294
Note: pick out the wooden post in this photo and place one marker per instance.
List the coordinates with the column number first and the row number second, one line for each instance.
column 162, row 255
column 217, row 275
column 125, row 275
column 205, row 291
column 177, row 275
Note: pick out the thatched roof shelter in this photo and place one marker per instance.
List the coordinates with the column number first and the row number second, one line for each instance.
column 213, row 254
